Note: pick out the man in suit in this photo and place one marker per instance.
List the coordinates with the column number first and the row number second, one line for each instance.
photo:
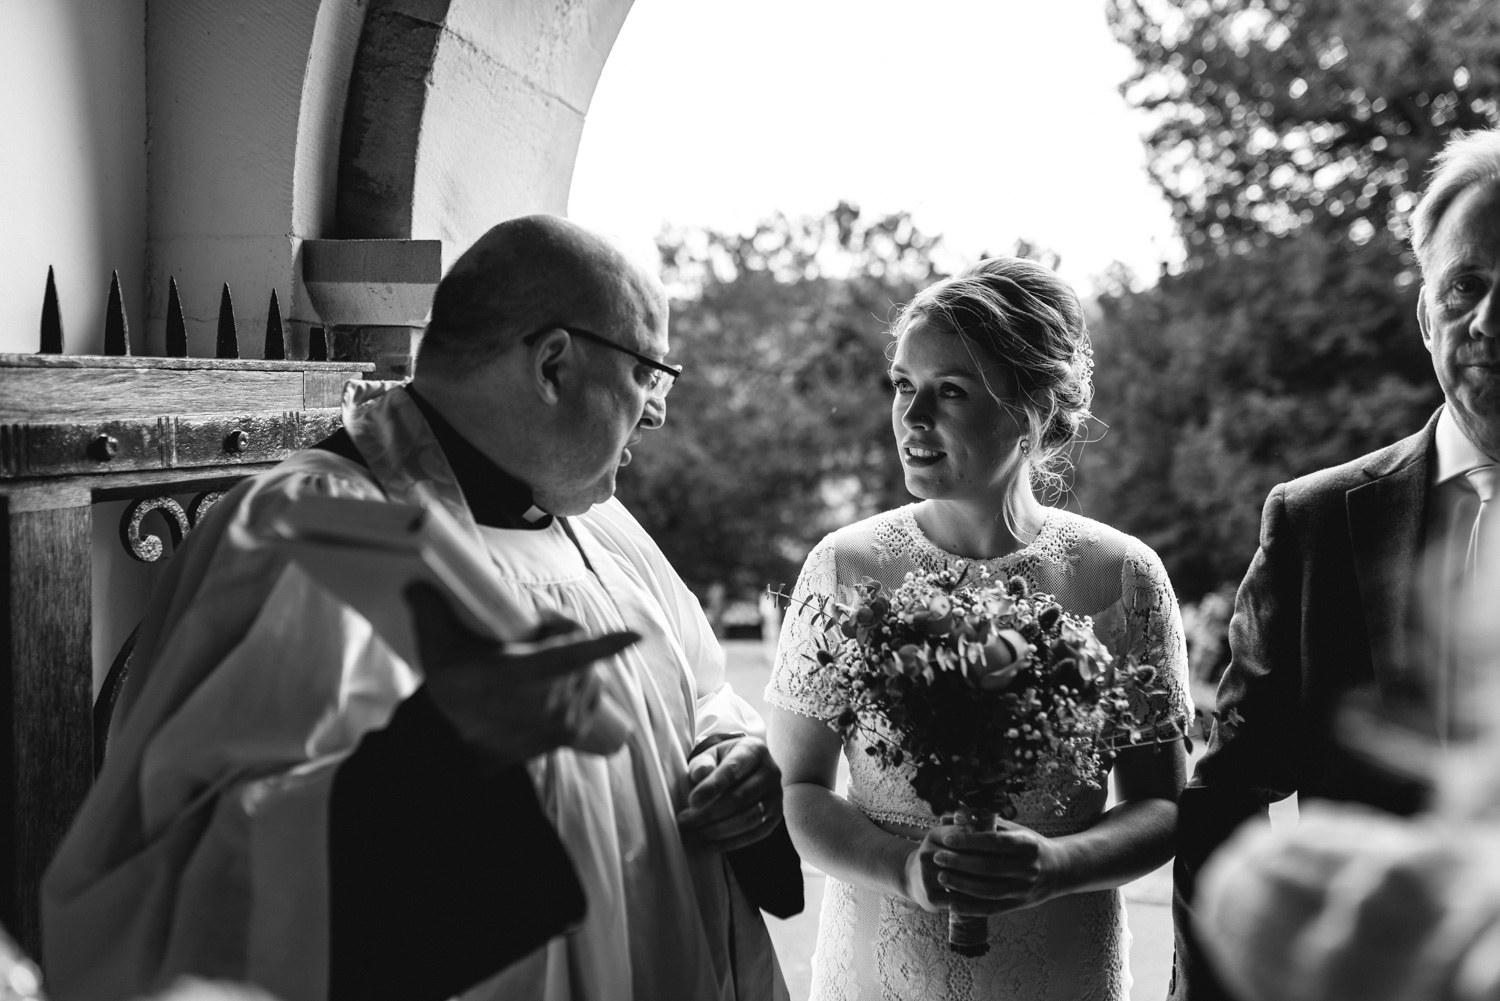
column 1331, row 596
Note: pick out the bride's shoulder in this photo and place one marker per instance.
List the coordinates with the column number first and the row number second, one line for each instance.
column 896, row 519
column 876, row 533
column 861, row 546
column 1098, row 543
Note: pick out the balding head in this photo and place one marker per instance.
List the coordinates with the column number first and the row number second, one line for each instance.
column 526, row 275
column 544, row 351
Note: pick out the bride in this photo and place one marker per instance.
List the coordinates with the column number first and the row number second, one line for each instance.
column 991, row 381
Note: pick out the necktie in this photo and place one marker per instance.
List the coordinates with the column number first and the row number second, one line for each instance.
column 1486, row 483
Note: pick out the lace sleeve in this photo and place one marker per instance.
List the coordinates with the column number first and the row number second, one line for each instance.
column 1155, row 637
column 798, row 682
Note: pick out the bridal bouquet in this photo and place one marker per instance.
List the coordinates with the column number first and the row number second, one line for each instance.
column 986, row 690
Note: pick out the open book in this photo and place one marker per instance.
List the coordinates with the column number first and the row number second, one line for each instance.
column 367, row 552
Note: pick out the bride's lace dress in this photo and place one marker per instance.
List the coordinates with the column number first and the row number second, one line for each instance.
column 1074, row 948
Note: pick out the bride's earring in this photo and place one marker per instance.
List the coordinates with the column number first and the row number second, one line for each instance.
column 1025, row 446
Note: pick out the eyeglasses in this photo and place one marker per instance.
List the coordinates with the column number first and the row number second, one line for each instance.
column 663, row 376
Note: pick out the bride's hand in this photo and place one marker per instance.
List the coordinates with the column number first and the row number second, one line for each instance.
column 923, row 887
column 989, row 872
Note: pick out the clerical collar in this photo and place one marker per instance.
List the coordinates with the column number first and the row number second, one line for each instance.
column 495, row 497
column 1456, row 454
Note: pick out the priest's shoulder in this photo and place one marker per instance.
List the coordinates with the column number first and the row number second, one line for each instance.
column 613, row 524
column 617, row 532
column 307, row 472
column 323, row 472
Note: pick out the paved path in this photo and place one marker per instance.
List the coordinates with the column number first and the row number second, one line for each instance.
column 1148, row 900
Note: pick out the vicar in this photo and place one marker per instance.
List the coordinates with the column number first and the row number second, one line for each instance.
column 1341, row 578
column 288, row 803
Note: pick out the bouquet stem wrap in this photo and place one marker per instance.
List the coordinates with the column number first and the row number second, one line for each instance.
column 968, row 934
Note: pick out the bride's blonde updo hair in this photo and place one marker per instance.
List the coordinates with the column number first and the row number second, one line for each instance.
column 1015, row 312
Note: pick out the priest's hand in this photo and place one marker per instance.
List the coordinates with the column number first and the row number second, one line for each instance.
column 736, row 794
column 510, row 701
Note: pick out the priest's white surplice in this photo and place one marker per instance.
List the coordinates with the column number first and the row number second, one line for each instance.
column 203, row 847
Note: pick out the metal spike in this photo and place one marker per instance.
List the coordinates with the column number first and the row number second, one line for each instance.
column 317, row 345
column 116, row 326
column 228, row 345
column 176, row 328
column 275, row 338
column 52, row 334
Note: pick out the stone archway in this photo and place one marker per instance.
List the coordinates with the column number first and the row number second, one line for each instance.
column 460, row 113
column 465, row 112
column 347, row 119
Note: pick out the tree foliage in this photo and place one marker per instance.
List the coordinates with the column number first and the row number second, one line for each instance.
column 1223, row 381
column 1290, row 137
column 780, row 427
column 1277, row 115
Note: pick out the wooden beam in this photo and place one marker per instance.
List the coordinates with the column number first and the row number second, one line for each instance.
column 58, row 448
column 46, row 711
column 123, row 388
column 143, row 362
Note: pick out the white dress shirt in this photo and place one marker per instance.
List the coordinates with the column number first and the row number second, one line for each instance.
column 1452, row 506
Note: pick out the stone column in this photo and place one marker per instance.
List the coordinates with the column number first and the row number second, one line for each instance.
column 373, row 297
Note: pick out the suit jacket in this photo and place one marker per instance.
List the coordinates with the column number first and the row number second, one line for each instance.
column 1324, row 613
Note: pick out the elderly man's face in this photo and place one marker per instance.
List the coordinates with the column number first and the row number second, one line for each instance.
column 1459, row 312
column 615, row 404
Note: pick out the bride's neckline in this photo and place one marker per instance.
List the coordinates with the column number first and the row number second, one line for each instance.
column 908, row 516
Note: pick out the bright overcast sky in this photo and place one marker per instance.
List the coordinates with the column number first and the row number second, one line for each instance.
column 988, row 120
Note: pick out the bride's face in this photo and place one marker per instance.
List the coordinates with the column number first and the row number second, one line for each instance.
column 957, row 441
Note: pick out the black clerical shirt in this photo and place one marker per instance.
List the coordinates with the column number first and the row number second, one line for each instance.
column 495, row 497
column 441, row 873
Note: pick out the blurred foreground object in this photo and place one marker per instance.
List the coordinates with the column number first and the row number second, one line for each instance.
column 1357, row 905
column 193, row 989
column 20, row 980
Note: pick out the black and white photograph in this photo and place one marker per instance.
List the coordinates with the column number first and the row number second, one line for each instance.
column 812, row 500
